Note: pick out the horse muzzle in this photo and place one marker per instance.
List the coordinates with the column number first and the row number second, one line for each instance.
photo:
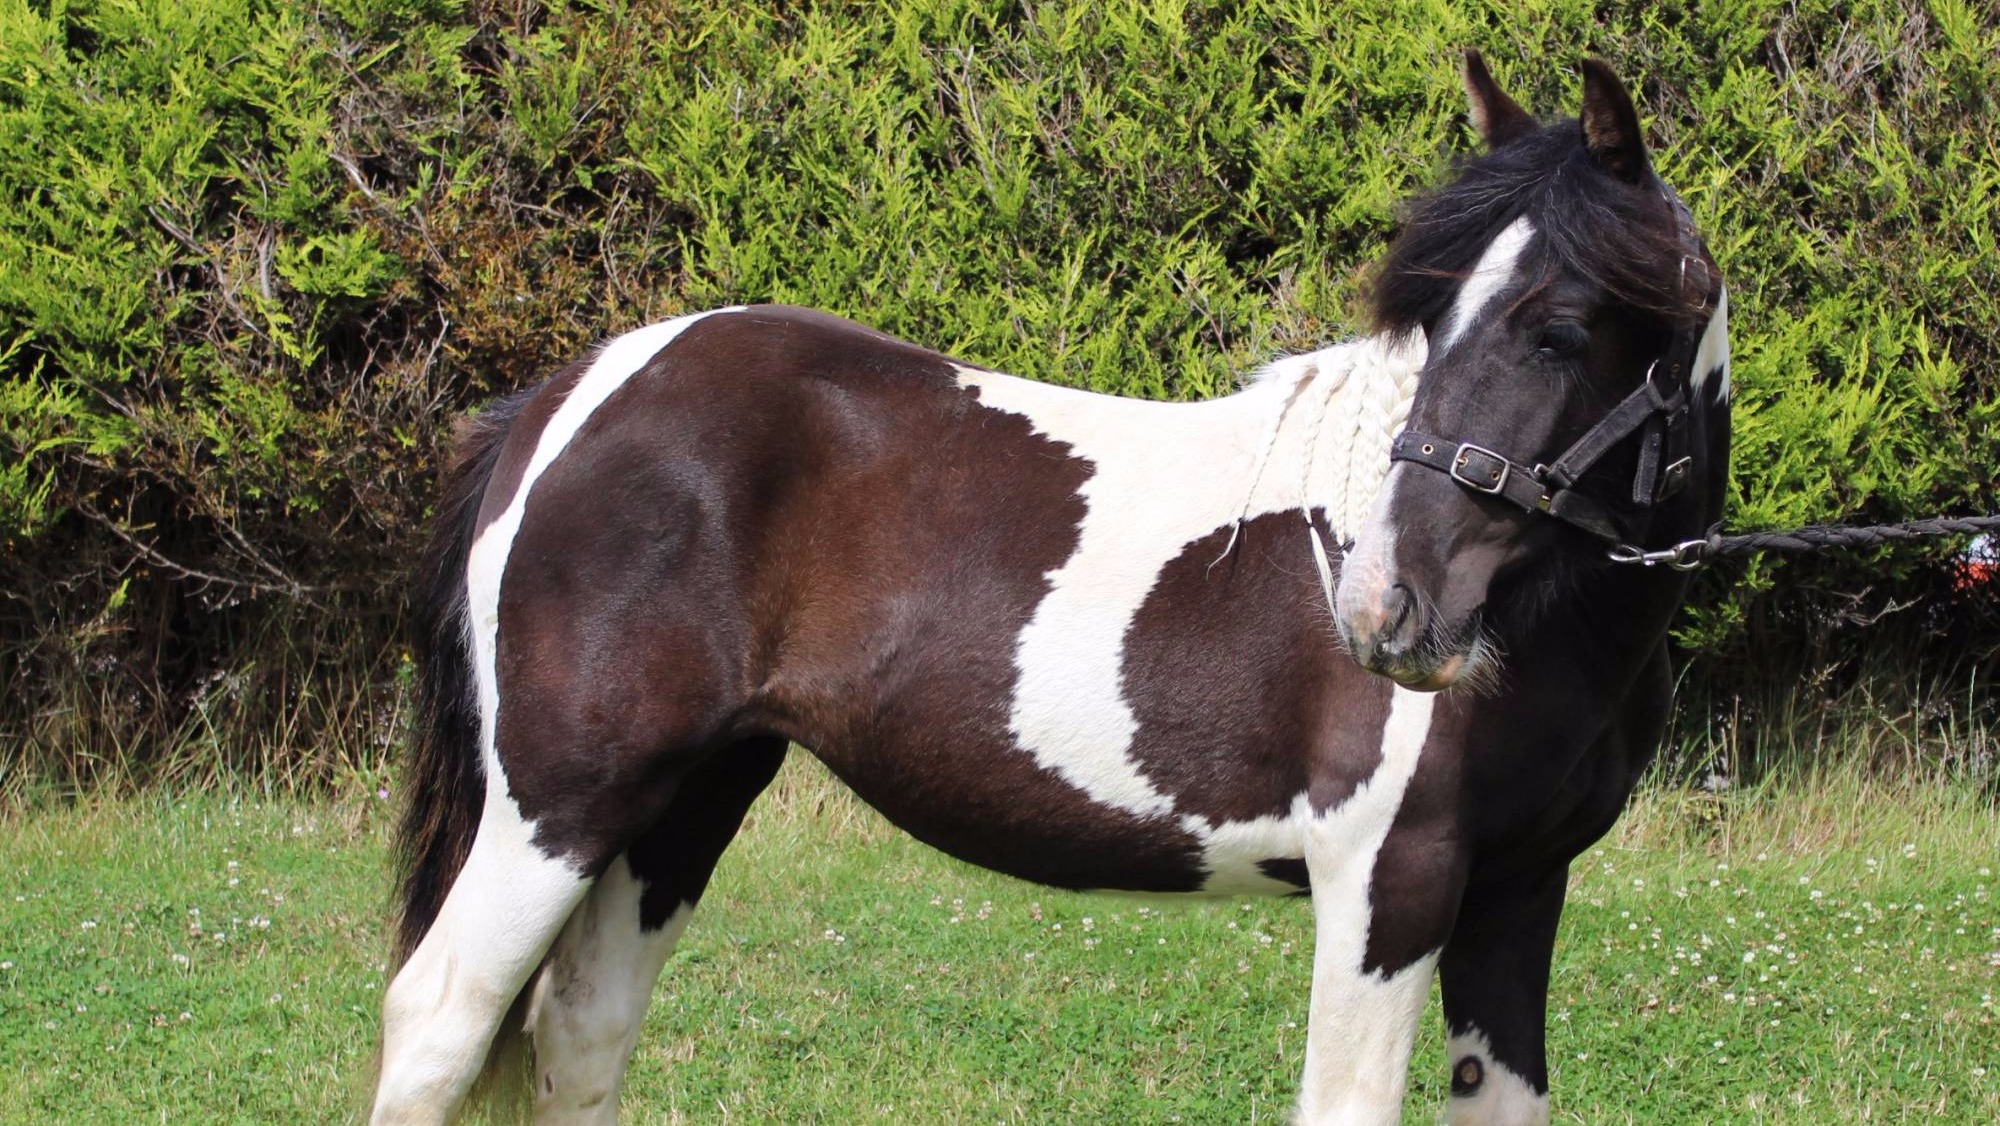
column 1391, row 634
column 1392, row 631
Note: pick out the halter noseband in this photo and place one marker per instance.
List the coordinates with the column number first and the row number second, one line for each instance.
column 1657, row 412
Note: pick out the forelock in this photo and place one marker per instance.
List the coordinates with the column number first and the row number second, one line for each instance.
column 1623, row 238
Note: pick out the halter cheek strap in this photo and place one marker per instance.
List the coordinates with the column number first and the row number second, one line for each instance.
column 1658, row 417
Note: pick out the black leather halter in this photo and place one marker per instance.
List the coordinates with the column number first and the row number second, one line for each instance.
column 1657, row 415
column 1657, row 412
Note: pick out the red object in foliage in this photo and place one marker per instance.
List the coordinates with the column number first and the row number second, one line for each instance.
column 1978, row 567
column 1972, row 576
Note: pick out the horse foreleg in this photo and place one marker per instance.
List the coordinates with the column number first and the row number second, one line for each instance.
column 1385, row 882
column 1367, row 994
column 1496, row 986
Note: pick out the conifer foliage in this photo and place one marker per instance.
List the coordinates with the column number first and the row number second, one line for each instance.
column 255, row 256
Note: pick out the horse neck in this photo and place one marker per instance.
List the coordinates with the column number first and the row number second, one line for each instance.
column 1622, row 613
column 1330, row 417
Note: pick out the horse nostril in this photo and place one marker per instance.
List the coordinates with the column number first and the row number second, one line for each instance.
column 1399, row 609
column 1401, row 604
column 1397, row 623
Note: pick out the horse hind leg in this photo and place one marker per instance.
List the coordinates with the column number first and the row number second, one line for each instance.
column 590, row 1000
column 522, row 883
column 444, row 1006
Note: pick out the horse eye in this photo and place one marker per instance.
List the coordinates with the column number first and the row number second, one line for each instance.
column 1562, row 338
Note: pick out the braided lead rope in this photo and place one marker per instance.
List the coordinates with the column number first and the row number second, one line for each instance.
column 1313, row 438
column 1264, row 449
column 1690, row 555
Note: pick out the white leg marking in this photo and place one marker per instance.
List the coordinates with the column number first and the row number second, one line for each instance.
column 1146, row 501
column 1496, row 267
column 440, row 1013
column 1711, row 356
column 1503, row 1098
column 590, row 1001
column 1362, row 1025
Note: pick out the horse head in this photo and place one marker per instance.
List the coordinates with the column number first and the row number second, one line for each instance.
column 1574, row 396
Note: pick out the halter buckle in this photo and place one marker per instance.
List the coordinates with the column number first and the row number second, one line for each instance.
column 1489, row 476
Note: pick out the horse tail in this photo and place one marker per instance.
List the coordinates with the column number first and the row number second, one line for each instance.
column 444, row 785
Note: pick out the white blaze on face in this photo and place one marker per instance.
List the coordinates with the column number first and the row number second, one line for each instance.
column 1502, row 1098
column 1369, row 569
column 1496, row 268
column 1711, row 356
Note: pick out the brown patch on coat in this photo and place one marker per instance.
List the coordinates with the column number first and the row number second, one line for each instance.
column 1420, row 869
column 1235, row 677
column 675, row 858
column 786, row 524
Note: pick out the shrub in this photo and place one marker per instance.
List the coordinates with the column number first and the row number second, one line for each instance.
column 258, row 256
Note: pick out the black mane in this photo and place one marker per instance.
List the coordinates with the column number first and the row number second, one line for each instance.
column 1623, row 237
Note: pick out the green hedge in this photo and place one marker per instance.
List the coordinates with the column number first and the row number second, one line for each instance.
column 256, row 257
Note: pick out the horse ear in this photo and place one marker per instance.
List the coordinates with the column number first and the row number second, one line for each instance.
column 1498, row 117
column 1611, row 126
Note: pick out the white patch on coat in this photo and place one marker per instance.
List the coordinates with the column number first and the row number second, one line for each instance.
column 1711, row 355
column 1362, row 1024
column 511, row 898
column 1164, row 475
column 1496, row 267
column 441, row 1011
column 1502, row 1099
column 1232, row 851
column 590, row 1000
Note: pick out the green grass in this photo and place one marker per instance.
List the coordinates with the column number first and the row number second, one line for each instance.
column 1823, row 952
